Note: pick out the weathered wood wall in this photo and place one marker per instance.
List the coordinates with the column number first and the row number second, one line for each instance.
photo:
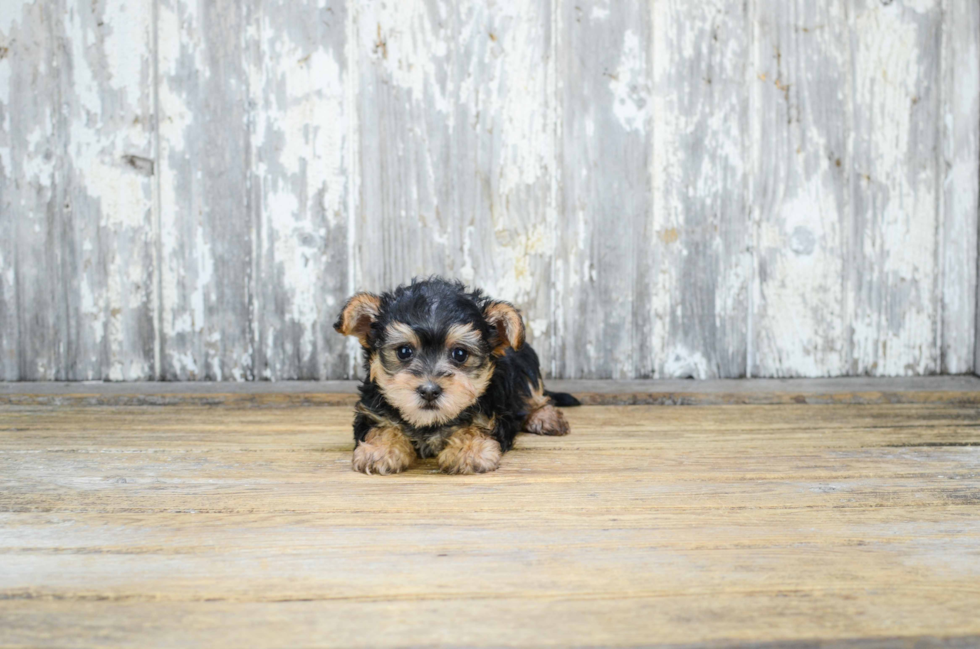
column 190, row 188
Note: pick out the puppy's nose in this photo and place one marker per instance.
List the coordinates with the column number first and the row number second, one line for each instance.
column 430, row 391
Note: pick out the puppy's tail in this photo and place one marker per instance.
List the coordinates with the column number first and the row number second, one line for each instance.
column 562, row 399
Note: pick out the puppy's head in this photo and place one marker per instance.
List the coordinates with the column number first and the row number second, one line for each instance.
column 431, row 346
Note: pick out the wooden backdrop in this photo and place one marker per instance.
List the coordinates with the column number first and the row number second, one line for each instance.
column 190, row 188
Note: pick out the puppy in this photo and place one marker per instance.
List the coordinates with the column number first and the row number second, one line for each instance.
column 448, row 376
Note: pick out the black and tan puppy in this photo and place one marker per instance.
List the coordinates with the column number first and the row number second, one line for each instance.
column 448, row 376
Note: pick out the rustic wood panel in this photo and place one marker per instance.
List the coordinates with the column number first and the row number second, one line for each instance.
column 189, row 189
column 961, row 185
column 33, row 134
column 406, row 222
column 604, row 64
column 697, row 293
column 77, row 95
column 206, row 234
column 189, row 526
column 800, row 90
column 894, row 276
column 35, row 191
column 960, row 390
column 299, row 185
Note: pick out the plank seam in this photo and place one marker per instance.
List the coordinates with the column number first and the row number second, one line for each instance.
column 157, row 189
column 353, row 161
column 557, row 153
column 942, row 137
column 753, row 158
column 253, row 208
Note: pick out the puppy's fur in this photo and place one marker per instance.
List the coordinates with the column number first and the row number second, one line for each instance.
column 448, row 376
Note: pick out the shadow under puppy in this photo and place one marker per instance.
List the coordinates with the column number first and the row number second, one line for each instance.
column 448, row 376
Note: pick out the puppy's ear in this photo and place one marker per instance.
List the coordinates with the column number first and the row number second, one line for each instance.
column 508, row 327
column 358, row 315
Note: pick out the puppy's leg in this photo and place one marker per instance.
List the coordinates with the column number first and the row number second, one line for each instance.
column 546, row 420
column 385, row 450
column 470, row 449
column 543, row 418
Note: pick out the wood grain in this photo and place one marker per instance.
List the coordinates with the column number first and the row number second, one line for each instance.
column 893, row 241
column 206, row 232
column 800, row 180
column 696, row 310
column 35, row 336
column 961, row 184
column 77, row 162
column 953, row 390
column 195, row 526
column 605, row 189
column 299, row 186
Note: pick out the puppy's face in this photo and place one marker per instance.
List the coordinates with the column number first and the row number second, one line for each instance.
column 431, row 346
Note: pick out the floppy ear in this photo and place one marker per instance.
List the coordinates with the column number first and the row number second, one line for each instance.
column 508, row 326
column 358, row 315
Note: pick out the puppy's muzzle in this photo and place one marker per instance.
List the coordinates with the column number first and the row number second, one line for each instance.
column 429, row 391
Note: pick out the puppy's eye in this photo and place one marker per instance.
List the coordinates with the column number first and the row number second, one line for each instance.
column 459, row 354
column 404, row 352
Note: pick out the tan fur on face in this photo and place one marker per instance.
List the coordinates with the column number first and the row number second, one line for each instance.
column 470, row 450
column 544, row 418
column 509, row 325
column 385, row 450
column 399, row 333
column 400, row 391
column 460, row 390
column 465, row 336
column 358, row 315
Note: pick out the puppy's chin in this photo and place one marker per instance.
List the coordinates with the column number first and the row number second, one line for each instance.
column 416, row 411
column 420, row 415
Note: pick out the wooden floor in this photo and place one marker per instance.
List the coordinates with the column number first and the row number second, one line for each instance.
column 231, row 526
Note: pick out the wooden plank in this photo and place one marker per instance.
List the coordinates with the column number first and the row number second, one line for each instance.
column 117, row 623
column 836, row 526
column 961, row 184
column 9, row 243
column 800, row 194
column 36, row 344
column 111, row 157
column 603, row 63
column 77, row 165
column 892, row 264
column 406, row 223
column 206, row 215
column 457, row 150
column 963, row 390
column 697, row 294
column 300, row 185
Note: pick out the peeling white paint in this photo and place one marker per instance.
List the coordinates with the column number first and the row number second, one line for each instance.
column 682, row 363
column 894, row 333
column 769, row 234
column 629, row 85
column 408, row 41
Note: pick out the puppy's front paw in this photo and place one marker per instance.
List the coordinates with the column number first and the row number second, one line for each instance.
column 469, row 451
column 383, row 451
column 546, row 420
